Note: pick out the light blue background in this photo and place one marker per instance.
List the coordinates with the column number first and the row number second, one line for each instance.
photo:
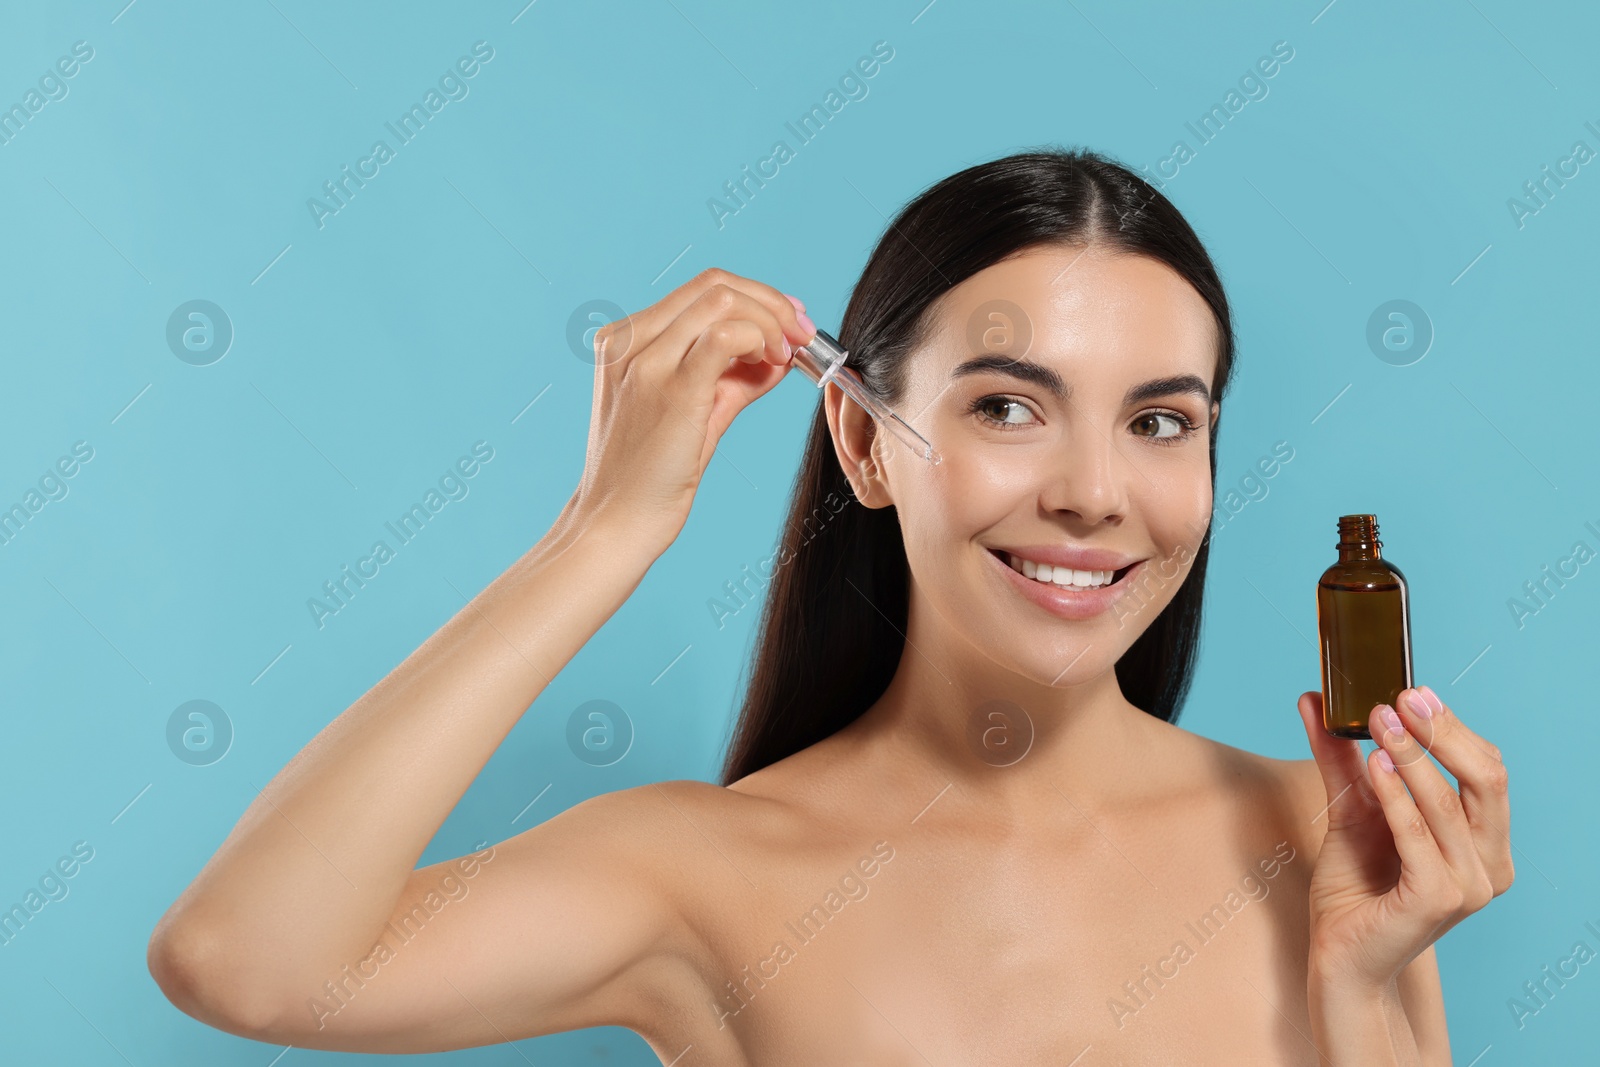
column 427, row 314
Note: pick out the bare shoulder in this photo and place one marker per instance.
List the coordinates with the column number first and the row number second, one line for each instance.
column 1309, row 794
column 809, row 783
column 702, row 841
column 652, row 845
column 681, row 829
column 1297, row 780
column 662, row 819
column 631, row 877
column 641, row 842
column 1287, row 791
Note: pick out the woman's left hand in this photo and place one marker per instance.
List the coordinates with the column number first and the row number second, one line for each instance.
column 1405, row 857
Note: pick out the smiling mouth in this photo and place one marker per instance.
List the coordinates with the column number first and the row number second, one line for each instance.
column 1062, row 577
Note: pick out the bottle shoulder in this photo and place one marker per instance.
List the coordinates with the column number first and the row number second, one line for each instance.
column 1381, row 573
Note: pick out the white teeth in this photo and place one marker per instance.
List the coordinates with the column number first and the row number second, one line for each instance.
column 1043, row 572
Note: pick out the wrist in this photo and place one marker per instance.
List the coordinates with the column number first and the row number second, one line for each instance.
column 1356, row 1021
column 617, row 533
column 1351, row 994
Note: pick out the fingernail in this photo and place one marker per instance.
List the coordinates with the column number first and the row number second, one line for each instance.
column 1433, row 698
column 795, row 300
column 1385, row 761
column 1418, row 703
column 806, row 324
column 788, row 349
column 1391, row 719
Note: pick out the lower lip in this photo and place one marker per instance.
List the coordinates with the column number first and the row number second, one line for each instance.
column 1065, row 601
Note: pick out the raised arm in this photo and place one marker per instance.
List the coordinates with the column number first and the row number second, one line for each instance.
column 550, row 929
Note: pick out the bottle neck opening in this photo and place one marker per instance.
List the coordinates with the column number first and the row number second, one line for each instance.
column 1358, row 538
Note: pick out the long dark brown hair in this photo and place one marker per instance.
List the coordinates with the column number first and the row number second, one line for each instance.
column 839, row 593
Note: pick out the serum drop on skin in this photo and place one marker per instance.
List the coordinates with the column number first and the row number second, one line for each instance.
column 1364, row 626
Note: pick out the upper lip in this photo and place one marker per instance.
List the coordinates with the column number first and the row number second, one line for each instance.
column 1079, row 559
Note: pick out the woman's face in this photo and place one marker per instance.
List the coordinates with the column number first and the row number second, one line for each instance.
column 1067, row 392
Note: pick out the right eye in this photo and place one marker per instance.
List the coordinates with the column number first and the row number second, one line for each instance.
column 1001, row 411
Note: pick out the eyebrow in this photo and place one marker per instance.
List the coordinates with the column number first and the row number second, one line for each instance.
column 1038, row 374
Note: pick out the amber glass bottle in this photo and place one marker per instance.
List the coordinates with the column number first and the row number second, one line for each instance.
column 1364, row 626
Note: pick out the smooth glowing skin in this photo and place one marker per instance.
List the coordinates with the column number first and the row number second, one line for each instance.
column 1017, row 903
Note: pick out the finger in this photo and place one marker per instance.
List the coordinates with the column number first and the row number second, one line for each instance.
column 1432, row 794
column 1426, row 895
column 738, row 387
column 1480, row 773
column 717, row 305
column 1344, row 776
column 645, row 327
column 720, row 375
column 632, row 334
column 723, row 344
column 724, row 368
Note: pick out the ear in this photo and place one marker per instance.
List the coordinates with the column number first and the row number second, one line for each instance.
column 859, row 446
column 1216, row 413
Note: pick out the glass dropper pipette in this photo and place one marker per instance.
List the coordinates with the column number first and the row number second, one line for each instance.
column 822, row 360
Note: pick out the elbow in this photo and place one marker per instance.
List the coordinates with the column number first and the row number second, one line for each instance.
column 196, row 973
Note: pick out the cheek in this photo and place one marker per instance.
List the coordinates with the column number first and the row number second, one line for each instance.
column 963, row 496
column 1177, row 509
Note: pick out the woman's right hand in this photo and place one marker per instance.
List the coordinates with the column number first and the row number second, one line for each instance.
column 668, row 382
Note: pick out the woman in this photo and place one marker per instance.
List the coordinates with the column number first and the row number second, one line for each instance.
column 957, row 822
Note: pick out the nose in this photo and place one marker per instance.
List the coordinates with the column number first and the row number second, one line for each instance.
column 1088, row 476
